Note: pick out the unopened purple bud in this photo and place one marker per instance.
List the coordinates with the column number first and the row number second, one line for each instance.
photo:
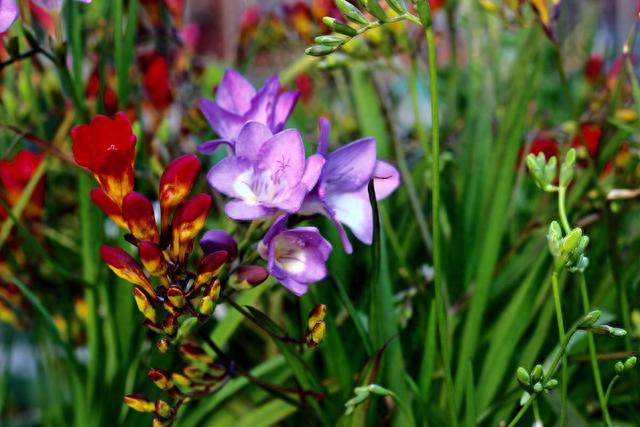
column 218, row 240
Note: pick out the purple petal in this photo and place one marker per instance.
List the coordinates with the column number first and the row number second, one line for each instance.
column 346, row 244
column 350, row 168
column 242, row 211
column 325, row 132
column 284, row 105
column 227, row 125
column 230, row 176
column 8, row 14
column 354, row 211
column 264, row 102
column 235, row 93
column 251, row 138
column 219, row 240
column 312, row 171
column 385, row 179
column 302, row 253
column 296, row 288
column 283, row 155
column 275, row 229
column 210, row 147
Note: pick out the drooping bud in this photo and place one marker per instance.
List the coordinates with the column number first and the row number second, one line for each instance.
column 145, row 305
column 187, row 223
column 619, row 367
column 170, row 324
column 163, row 409
column 175, row 185
column 316, row 335
column 138, row 402
column 161, row 378
column 590, row 319
column 176, row 296
column 219, row 240
column 339, row 27
column 108, row 206
column 248, row 276
column 351, row 12
column 137, row 212
column 630, row 363
column 523, row 378
column 163, row 345
column 209, row 267
column 195, row 353
column 318, row 313
column 126, row 267
column 152, row 258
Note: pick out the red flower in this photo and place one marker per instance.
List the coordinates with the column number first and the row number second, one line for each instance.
column 593, row 68
column 436, row 4
column 108, row 206
column 592, row 134
column 14, row 176
column 188, row 220
column 542, row 143
column 305, row 86
column 156, row 82
column 107, row 148
column 126, row 267
column 109, row 96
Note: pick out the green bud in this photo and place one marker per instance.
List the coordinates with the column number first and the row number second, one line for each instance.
column 380, row 391
column 319, row 50
column 607, row 330
column 397, row 5
column 361, row 389
column 619, row 368
column 630, row 363
column 332, row 41
column 571, row 241
column 537, row 387
column 523, row 377
column 536, row 373
column 580, row 265
column 568, row 167
column 339, row 27
column 351, row 12
column 590, row 318
column 550, row 170
column 374, row 8
column 551, row 384
column 554, row 236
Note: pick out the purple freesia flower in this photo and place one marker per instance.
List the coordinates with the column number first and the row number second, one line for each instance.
column 8, row 14
column 237, row 102
column 296, row 257
column 267, row 174
column 342, row 190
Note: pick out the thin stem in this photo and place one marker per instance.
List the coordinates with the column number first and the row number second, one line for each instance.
column 561, row 334
column 562, row 191
column 609, row 389
column 437, row 250
column 592, row 352
column 522, row 410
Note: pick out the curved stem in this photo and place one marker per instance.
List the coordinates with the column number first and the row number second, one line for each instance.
column 609, row 389
column 562, row 191
column 522, row 410
column 561, row 334
column 437, row 250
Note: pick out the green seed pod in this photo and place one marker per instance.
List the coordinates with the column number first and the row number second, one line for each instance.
column 523, row 377
column 619, row 368
column 398, row 6
column 373, row 7
column 551, row 384
column 332, row 41
column 351, row 12
column 319, row 50
column 380, row 391
column 339, row 27
column 536, row 373
column 630, row 363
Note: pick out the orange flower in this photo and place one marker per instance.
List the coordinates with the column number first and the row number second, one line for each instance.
column 187, row 223
column 175, row 185
column 126, row 267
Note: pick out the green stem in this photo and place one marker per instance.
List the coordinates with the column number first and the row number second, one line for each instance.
column 562, row 191
column 523, row 410
column 586, row 307
column 609, row 389
column 437, row 250
column 561, row 334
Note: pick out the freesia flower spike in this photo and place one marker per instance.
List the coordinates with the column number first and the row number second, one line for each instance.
column 187, row 223
column 152, row 258
column 126, row 267
column 176, row 184
column 107, row 148
column 137, row 212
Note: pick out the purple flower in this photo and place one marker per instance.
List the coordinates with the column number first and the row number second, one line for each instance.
column 237, row 102
column 342, row 190
column 267, row 174
column 8, row 14
column 218, row 240
column 295, row 257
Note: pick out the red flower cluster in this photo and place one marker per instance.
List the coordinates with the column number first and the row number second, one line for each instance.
column 592, row 134
column 14, row 176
